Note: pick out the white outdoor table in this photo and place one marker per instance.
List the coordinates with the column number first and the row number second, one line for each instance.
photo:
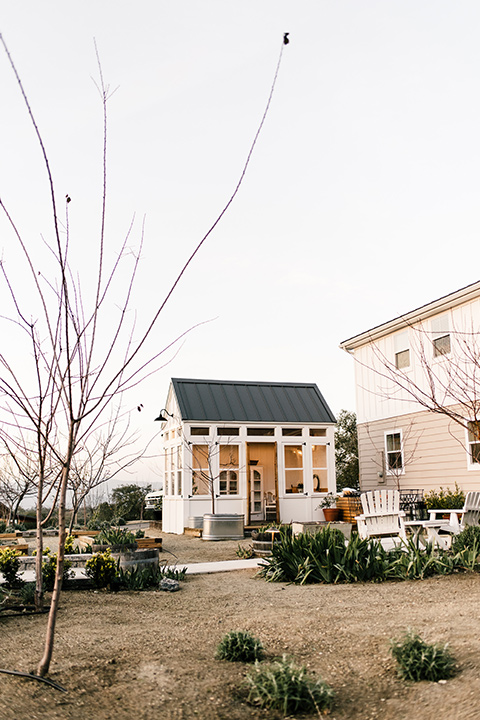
column 432, row 527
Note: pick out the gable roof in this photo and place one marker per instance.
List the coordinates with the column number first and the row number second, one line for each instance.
column 459, row 297
column 227, row 401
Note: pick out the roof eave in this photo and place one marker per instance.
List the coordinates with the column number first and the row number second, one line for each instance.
column 466, row 294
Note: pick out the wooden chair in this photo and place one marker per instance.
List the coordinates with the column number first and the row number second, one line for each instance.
column 469, row 515
column 382, row 517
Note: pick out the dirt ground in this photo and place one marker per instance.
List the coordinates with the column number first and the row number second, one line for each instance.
column 150, row 655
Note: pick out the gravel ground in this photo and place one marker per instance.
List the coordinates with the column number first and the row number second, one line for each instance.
column 150, row 655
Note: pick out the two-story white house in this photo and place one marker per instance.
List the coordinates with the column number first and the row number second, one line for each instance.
column 418, row 396
column 265, row 450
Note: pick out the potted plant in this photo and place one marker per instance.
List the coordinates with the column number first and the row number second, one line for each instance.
column 330, row 513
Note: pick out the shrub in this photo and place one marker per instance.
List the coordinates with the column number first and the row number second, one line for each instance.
column 115, row 537
column 327, row 558
column 419, row 661
column 9, row 566
column 69, row 540
column 445, row 499
column 49, row 568
column 3, row 526
column 239, row 646
column 101, row 568
column 468, row 538
column 285, row 686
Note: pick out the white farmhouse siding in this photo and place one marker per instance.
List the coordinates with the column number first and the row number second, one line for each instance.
column 434, row 448
column 271, row 450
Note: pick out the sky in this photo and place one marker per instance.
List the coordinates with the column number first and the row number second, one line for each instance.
column 360, row 202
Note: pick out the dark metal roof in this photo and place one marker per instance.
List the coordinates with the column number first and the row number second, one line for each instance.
column 220, row 401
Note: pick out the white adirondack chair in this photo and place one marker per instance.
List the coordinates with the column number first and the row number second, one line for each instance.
column 469, row 515
column 382, row 517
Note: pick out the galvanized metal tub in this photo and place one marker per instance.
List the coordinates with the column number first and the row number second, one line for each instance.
column 195, row 522
column 223, row 527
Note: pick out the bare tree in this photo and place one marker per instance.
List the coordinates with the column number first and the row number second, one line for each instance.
column 81, row 357
column 113, row 449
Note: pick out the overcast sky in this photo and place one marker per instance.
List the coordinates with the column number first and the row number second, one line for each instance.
column 360, row 202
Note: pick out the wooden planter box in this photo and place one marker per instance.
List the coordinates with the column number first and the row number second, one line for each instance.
column 351, row 507
column 149, row 542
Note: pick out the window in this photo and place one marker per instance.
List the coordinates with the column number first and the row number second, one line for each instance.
column 441, row 336
column 441, row 345
column 319, row 468
column 228, row 431
column 200, row 470
column 228, row 469
column 402, row 351
column 402, row 359
column 293, row 468
column 394, row 455
column 292, row 432
column 474, row 442
column 260, row 431
column 199, row 431
column 318, row 432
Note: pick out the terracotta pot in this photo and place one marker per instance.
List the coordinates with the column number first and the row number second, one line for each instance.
column 332, row 514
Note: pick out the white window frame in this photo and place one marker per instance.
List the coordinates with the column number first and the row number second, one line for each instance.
column 401, row 346
column 441, row 329
column 468, row 443
column 229, row 470
column 286, row 470
column 394, row 471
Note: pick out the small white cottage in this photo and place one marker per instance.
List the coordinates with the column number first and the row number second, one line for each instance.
column 262, row 450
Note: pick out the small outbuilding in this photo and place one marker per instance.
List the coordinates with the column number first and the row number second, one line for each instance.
column 258, row 449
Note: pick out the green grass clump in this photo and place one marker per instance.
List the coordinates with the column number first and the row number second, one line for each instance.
column 417, row 660
column 285, row 686
column 468, row 538
column 240, row 646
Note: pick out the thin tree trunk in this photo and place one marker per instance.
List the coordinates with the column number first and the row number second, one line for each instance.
column 39, row 547
column 44, row 663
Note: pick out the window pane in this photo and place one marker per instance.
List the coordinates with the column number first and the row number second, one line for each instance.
column 260, row 431
column 474, row 431
column 200, row 431
column 200, row 456
column 292, row 432
column 293, row 456
column 294, row 481
column 402, row 359
column 318, row 432
column 395, row 460
column 320, row 481
column 393, row 442
column 441, row 345
column 475, row 452
column 319, row 456
column 228, row 455
column 228, row 431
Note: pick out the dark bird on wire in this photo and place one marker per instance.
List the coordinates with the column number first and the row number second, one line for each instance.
column 139, row 407
column 285, row 38
column 69, row 199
